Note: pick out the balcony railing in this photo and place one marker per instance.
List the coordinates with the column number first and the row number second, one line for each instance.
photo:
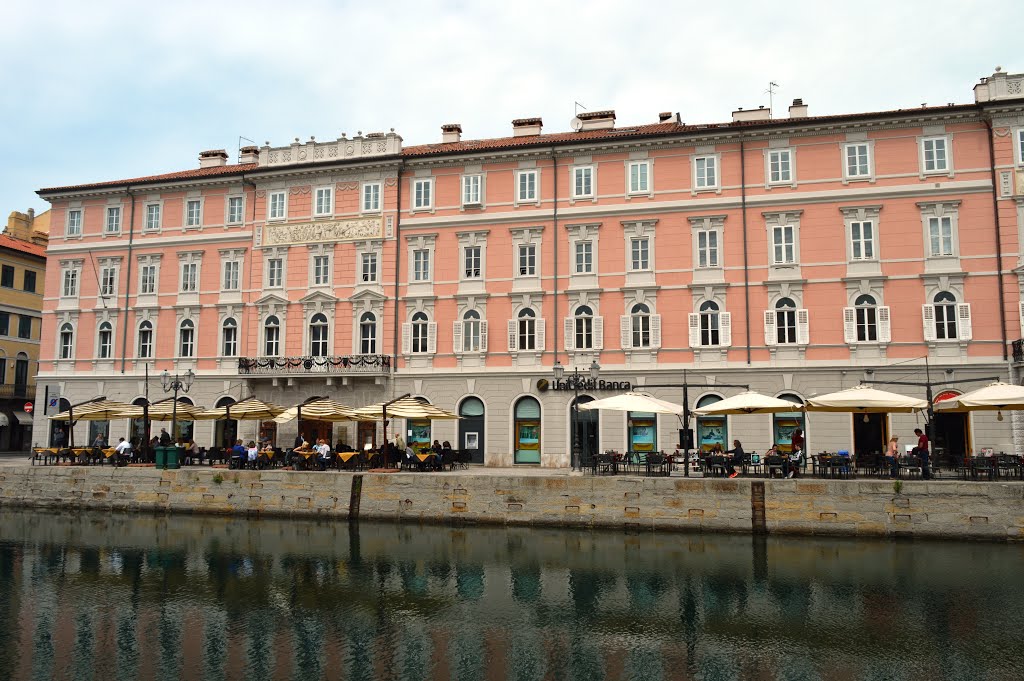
column 1018, row 350
column 350, row 364
column 18, row 391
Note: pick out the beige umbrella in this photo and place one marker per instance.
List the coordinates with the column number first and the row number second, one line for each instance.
column 748, row 402
column 163, row 411
column 97, row 410
column 324, row 409
column 247, row 410
column 993, row 397
column 406, row 407
column 635, row 401
column 863, row 399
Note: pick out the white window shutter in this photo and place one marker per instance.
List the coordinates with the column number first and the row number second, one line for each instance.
column 513, row 335
column 541, row 335
column 406, row 338
column 770, row 337
column 457, row 337
column 849, row 325
column 432, row 338
column 725, row 326
column 694, row 323
column 655, row 331
column 570, row 337
column 483, row 336
column 625, row 340
column 928, row 317
column 599, row 333
column 963, row 316
column 803, row 327
column 884, row 327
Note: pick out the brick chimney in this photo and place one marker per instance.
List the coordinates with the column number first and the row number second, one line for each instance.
column 249, row 154
column 669, row 117
column 213, row 158
column 597, row 120
column 798, row 109
column 521, row 127
column 758, row 114
column 451, row 132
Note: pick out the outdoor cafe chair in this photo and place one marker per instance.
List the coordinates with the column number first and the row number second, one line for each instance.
column 715, row 466
column 605, row 464
column 982, row 466
column 909, row 467
column 773, row 465
column 1008, row 465
column 656, row 465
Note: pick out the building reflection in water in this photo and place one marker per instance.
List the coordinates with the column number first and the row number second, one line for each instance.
column 101, row 596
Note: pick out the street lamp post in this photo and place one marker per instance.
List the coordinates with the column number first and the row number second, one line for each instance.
column 183, row 383
column 595, row 371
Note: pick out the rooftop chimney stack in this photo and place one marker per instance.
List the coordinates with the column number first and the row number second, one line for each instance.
column 451, row 132
column 758, row 114
column 798, row 109
column 669, row 117
column 213, row 158
column 522, row 127
column 249, row 154
column 597, row 120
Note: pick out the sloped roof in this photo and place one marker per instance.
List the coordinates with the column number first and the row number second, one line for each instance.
column 195, row 173
column 22, row 246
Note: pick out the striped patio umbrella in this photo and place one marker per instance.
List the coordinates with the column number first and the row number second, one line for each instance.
column 98, row 410
column 164, row 411
column 324, row 409
column 407, row 407
column 248, row 409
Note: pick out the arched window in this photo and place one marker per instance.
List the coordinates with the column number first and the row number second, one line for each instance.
column 640, row 324
column 225, row 431
column 945, row 316
column 785, row 321
column 3, row 367
column 146, row 340
column 229, row 337
column 867, row 318
column 187, row 339
column 318, row 330
column 67, row 341
column 368, row 333
column 272, row 336
column 526, row 330
column 105, row 342
column 20, row 373
column 419, row 332
column 471, row 331
column 711, row 430
column 583, row 328
column 709, row 324
column 526, row 431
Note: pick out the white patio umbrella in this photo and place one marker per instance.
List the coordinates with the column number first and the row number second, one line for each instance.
column 748, row 402
column 324, row 409
column 863, row 399
column 993, row 397
column 635, row 401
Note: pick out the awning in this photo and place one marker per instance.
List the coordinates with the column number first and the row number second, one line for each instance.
column 24, row 418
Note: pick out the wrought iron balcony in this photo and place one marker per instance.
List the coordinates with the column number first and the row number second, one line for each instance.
column 18, row 391
column 340, row 365
column 1018, row 350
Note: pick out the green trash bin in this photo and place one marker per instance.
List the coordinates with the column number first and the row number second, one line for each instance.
column 173, row 458
column 161, row 456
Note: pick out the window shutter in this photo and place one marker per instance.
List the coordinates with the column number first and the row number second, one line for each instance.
column 541, row 336
column 513, row 335
column 803, row 327
column 1021, row 310
column 849, row 325
column 625, row 342
column 770, row 337
column 884, row 329
column 655, row 331
column 599, row 333
column 725, row 325
column 432, row 338
column 928, row 317
column 570, row 337
column 406, row 338
column 457, row 336
column 694, row 324
column 963, row 314
column 483, row 336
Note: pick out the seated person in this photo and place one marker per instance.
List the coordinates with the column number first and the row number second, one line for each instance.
column 795, row 461
column 123, row 452
column 252, row 454
column 238, row 455
column 298, row 454
column 736, row 460
column 324, row 455
column 436, row 448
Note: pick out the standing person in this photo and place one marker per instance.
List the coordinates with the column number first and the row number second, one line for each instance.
column 736, row 460
column 922, row 451
column 892, row 455
column 300, row 439
column 59, row 438
column 165, row 438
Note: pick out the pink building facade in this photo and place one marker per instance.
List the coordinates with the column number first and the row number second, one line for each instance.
column 796, row 255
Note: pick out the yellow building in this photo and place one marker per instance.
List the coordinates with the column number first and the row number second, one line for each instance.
column 22, row 277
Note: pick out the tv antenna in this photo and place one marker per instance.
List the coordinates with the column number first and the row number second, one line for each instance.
column 771, row 92
column 240, row 138
column 579, row 106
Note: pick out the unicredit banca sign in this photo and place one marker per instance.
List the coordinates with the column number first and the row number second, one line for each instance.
column 585, row 385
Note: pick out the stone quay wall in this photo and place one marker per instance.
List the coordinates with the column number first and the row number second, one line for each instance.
column 859, row 508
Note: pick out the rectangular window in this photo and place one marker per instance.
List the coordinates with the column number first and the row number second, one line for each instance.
column 857, row 161
column 275, row 272
column 153, row 216
column 234, row 209
column 324, row 201
column 707, row 248
column 192, row 210
column 940, row 232
column 782, row 245
column 29, row 282
column 371, row 197
column 74, row 223
column 189, row 277
column 107, row 275
column 321, row 270
column 5, row 323
column 471, row 190
column 422, row 194
column 934, row 151
column 231, row 269
column 639, row 177
column 584, row 257
column 472, row 261
column 421, row 265
column 640, row 253
column 527, row 185
column 583, row 182
column 70, row 287
column 1020, row 146
column 527, row 260
column 779, row 167
column 369, row 267
column 7, row 276
column 277, row 206
column 862, row 235
column 147, row 279
column 24, row 326
column 113, row 225
column 706, row 171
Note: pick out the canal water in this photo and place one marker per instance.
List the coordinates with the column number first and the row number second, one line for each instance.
column 103, row 596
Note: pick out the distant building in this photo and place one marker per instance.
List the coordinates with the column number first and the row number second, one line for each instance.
column 22, row 275
column 796, row 255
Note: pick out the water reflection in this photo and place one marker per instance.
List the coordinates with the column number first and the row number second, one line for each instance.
column 99, row 596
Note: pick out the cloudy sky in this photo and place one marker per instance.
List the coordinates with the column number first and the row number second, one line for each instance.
column 109, row 90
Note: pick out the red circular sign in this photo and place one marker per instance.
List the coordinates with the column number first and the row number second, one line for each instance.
column 28, row 407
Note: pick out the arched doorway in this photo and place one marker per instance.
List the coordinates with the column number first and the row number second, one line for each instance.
column 711, row 430
column 785, row 423
column 642, row 431
column 184, row 430
column 60, row 430
column 870, row 434
column 138, row 434
column 225, row 432
column 526, row 430
column 951, row 432
column 471, row 429
column 587, row 431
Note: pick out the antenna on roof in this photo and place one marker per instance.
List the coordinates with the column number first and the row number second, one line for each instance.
column 579, row 106
column 240, row 138
column 771, row 92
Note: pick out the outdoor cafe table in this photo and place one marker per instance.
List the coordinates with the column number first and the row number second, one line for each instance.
column 346, row 456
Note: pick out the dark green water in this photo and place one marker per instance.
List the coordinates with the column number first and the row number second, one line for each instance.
column 103, row 597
